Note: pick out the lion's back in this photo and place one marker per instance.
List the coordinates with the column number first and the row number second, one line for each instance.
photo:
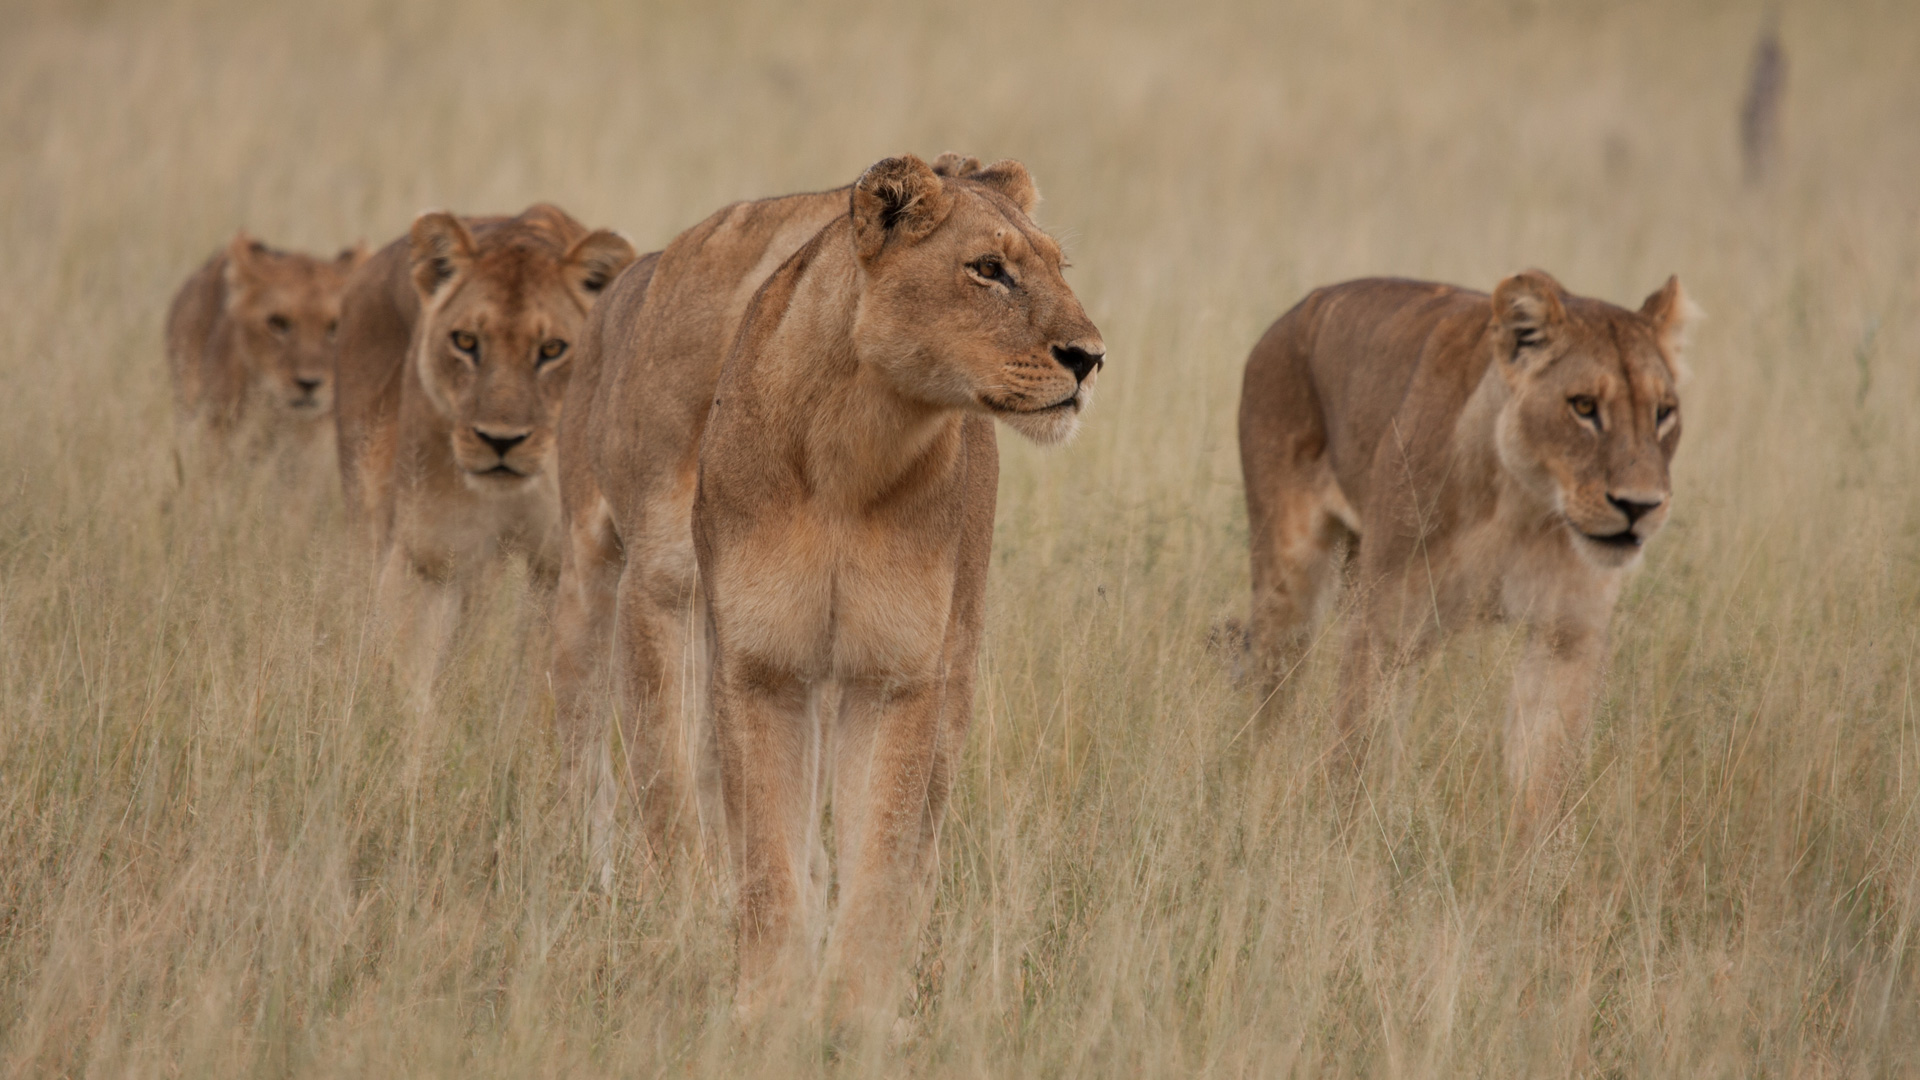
column 377, row 314
column 660, row 345
column 1344, row 362
column 199, row 366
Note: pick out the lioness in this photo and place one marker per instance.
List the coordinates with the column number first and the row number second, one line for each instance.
column 1494, row 458
column 250, row 346
column 842, row 512
column 454, row 350
column 629, row 438
column 629, row 457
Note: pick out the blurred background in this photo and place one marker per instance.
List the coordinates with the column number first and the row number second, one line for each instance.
column 224, row 851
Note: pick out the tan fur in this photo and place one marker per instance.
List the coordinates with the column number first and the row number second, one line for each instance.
column 841, row 521
column 1439, row 429
column 448, row 403
column 249, row 346
column 629, row 438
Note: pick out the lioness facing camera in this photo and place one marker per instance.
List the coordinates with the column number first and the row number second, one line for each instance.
column 250, row 346
column 455, row 346
column 1494, row 458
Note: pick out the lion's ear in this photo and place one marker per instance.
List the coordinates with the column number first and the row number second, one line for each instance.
column 1672, row 314
column 1010, row 178
column 442, row 250
column 547, row 216
column 243, row 264
column 350, row 258
column 598, row 257
column 1527, row 314
column 900, row 198
column 952, row 164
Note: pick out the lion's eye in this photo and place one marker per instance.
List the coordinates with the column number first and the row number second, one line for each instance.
column 990, row 268
column 279, row 324
column 332, row 325
column 1584, row 407
column 1663, row 414
column 466, row 342
column 551, row 349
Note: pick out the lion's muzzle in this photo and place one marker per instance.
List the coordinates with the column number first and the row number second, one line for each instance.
column 1081, row 359
column 1639, row 516
column 496, row 454
column 308, row 395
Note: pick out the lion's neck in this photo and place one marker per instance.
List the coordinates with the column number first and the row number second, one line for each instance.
column 856, row 439
column 1482, row 475
column 425, row 429
column 1508, row 522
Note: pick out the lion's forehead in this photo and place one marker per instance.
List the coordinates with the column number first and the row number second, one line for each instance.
column 516, row 304
column 1608, row 373
column 296, row 298
column 1647, row 374
column 1002, row 224
column 1039, row 243
column 1616, row 358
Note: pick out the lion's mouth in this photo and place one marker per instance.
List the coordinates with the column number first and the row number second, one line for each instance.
column 1066, row 404
column 1624, row 540
column 502, row 471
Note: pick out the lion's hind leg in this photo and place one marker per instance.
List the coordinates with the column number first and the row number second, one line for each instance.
column 1297, row 516
column 659, row 646
column 1298, row 526
column 583, row 616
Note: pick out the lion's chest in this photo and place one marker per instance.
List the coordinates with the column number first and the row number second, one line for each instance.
column 821, row 595
column 450, row 524
column 1513, row 567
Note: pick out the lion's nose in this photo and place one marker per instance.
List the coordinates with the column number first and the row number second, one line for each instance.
column 1080, row 360
column 1635, row 508
column 500, row 443
column 308, row 386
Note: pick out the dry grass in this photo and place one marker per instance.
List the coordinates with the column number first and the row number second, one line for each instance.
column 226, row 853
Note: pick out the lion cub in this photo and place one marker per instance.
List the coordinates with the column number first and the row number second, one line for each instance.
column 842, row 503
column 1494, row 457
column 454, row 351
column 250, row 348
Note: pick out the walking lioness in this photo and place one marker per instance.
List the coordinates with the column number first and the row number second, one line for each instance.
column 629, row 444
column 842, row 518
column 1494, row 458
column 250, row 347
column 454, row 350
column 629, row 458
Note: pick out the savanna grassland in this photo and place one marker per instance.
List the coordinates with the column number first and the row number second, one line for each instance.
column 226, row 850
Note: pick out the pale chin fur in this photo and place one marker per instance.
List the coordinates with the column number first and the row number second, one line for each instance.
column 1052, row 427
column 495, row 485
column 1607, row 556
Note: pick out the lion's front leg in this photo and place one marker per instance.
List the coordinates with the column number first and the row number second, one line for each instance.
column 891, row 778
column 768, row 777
column 1388, row 640
column 419, row 603
column 1549, row 720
